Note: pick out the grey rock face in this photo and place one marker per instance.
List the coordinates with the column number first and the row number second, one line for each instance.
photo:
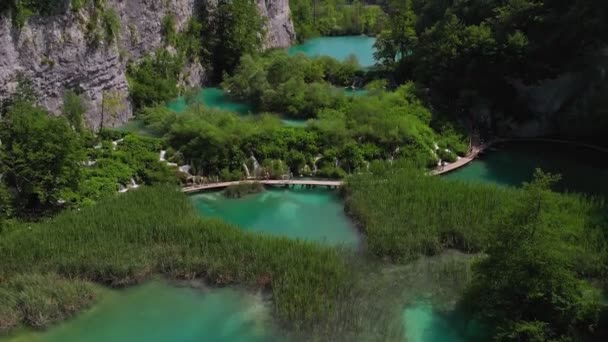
column 279, row 27
column 56, row 55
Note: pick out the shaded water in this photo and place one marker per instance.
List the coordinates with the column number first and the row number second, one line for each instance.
column 158, row 312
column 309, row 214
column 339, row 48
column 583, row 169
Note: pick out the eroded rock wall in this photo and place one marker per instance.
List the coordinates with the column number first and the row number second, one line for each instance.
column 55, row 53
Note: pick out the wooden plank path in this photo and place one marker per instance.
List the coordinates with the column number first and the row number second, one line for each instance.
column 277, row 182
column 471, row 155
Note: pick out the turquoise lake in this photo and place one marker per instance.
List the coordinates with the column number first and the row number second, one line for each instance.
column 583, row 170
column 309, row 214
column 160, row 312
column 339, row 48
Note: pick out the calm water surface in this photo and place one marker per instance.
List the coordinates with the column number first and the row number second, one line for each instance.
column 309, row 214
column 339, row 48
column 158, row 312
column 213, row 98
column 422, row 324
column 583, row 169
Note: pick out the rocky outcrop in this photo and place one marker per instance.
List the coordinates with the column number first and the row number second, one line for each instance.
column 571, row 105
column 279, row 27
column 55, row 52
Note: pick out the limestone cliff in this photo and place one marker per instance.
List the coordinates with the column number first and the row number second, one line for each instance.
column 56, row 55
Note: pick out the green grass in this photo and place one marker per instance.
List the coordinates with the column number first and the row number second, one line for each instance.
column 123, row 241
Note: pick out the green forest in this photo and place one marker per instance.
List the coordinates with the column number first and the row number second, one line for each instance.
column 83, row 208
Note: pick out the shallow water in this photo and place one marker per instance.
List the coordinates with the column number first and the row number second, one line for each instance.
column 583, row 170
column 339, row 48
column 213, row 98
column 309, row 214
column 158, row 312
column 423, row 324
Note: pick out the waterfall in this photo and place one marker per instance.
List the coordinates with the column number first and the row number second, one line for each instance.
column 163, row 153
column 133, row 185
column 185, row 169
column 246, row 170
column 116, row 142
column 121, row 188
column 256, row 166
column 366, row 165
column 314, row 163
column 336, row 162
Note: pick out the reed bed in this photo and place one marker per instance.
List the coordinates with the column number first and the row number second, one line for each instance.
column 406, row 214
column 122, row 241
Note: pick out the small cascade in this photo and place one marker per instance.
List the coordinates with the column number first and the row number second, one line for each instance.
column 133, row 184
column 257, row 169
column 116, row 142
column 122, row 188
column 185, row 169
column 366, row 165
column 247, row 173
column 336, row 162
column 162, row 156
column 391, row 159
column 314, row 163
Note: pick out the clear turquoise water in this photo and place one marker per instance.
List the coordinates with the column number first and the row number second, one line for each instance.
column 339, row 48
column 308, row 214
column 213, row 98
column 422, row 324
column 583, row 170
column 157, row 312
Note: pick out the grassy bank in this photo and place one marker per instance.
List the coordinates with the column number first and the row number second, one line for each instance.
column 123, row 240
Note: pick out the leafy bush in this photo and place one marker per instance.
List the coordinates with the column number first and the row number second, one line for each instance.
column 154, row 80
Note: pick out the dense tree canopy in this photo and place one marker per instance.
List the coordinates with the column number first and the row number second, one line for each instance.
column 470, row 50
column 230, row 30
column 41, row 156
column 296, row 86
column 527, row 288
column 336, row 17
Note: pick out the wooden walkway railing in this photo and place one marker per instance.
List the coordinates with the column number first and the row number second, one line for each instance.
column 278, row 182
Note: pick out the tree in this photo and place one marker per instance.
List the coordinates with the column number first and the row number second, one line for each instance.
column 235, row 29
column 73, row 110
column 154, row 80
column 525, row 289
column 41, row 157
column 400, row 37
column 111, row 104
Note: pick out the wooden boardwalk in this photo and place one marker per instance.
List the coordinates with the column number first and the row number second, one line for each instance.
column 276, row 182
column 473, row 153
